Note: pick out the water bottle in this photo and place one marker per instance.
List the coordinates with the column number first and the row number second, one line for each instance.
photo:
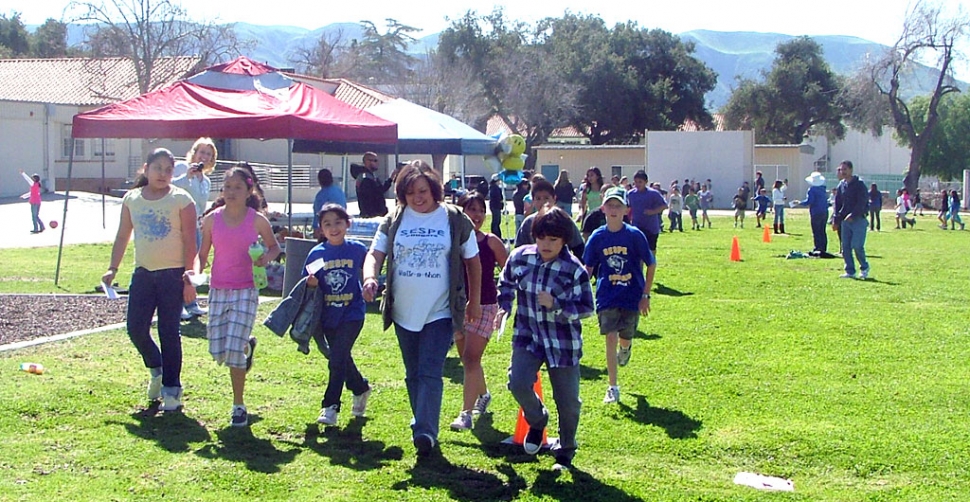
column 259, row 273
column 35, row 368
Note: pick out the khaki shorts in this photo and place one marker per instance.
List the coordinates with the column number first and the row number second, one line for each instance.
column 621, row 321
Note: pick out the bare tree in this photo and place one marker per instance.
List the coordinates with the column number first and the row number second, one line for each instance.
column 929, row 36
column 147, row 30
column 320, row 58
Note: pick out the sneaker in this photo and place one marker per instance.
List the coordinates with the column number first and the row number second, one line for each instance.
column 481, row 404
column 251, row 345
column 846, row 276
column 864, row 274
column 424, row 444
column 612, row 395
column 533, row 441
column 196, row 310
column 328, row 415
column 623, row 356
column 186, row 315
column 155, row 388
column 171, row 403
column 240, row 418
column 360, row 404
column 463, row 422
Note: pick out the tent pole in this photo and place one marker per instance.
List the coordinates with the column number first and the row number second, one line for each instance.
column 104, row 211
column 67, row 196
column 289, row 184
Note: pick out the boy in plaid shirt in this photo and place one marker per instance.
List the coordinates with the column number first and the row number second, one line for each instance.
column 553, row 294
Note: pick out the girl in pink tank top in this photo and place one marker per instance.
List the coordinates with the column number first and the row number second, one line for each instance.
column 233, row 297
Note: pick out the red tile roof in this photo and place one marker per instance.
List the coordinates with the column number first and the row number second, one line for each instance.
column 81, row 81
column 496, row 125
column 691, row 126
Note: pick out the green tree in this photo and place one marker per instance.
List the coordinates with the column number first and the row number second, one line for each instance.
column 14, row 36
column 798, row 95
column 930, row 33
column 629, row 79
column 946, row 154
column 50, row 40
column 380, row 57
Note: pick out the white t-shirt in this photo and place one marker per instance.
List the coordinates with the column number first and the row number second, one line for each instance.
column 420, row 266
column 901, row 208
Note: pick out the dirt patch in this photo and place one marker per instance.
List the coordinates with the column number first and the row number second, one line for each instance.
column 26, row 317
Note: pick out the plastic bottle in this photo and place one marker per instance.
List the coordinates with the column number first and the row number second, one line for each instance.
column 259, row 273
column 35, row 368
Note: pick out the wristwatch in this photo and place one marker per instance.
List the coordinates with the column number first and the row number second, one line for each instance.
column 646, row 295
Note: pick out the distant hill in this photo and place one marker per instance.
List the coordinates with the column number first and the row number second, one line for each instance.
column 730, row 54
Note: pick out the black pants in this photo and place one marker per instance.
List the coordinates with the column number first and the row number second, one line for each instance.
column 818, row 231
column 496, row 220
column 341, row 365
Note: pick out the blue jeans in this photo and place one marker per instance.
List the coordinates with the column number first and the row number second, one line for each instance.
column 343, row 370
column 35, row 217
column 819, row 221
column 565, row 391
column 424, row 355
column 854, row 240
column 160, row 290
column 779, row 214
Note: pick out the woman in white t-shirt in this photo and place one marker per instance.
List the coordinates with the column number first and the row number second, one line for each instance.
column 428, row 245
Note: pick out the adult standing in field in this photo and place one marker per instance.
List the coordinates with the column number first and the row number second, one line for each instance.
column 328, row 194
column 818, row 210
column 565, row 193
column 496, row 205
column 875, row 206
column 850, row 216
column 427, row 244
column 646, row 206
column 370, row 189
column 192, row 175
column 33, row 197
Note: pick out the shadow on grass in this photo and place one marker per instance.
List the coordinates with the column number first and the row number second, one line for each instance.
column 237, row 444
column 675, row 423
column 590, row 373
column 193, row 328
column 576, row 484
column 453, row 370
column 173, row 431
column 347, row 448
column 668, row 291
column 462, row 483
column 646, row 336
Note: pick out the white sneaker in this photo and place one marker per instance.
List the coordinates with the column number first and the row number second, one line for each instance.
column 196, row 310
column 846, row 276
column 463, row 422
column 328, row 415
column 186, row 315
column 612, row 395
column 240, row 417
column 623, row 356
column 155, row 388
column 360, row 404
column 171, row 403
column 864, row 274
column 481, row 404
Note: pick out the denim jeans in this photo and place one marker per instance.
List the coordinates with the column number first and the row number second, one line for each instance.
column 819, row 221
column 160, row 290
column 35, row 217
column 424, row 355
column 854, row 240
column 779, row 214
column 676, row 221
column 565, row 391
column 341, row 365
column 874, row 221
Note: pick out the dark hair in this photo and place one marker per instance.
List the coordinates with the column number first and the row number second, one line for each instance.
column 337, row 209
column 846, row 163
column 471, row 198
column 410, row 173
column 142, row 179
column 542, row 186
column 640, row 174
column 35, row 177
column 244, row 171
column 599, row 178
column 552, row 221
column 872, row 188
column 778, row 184
column 325, row 177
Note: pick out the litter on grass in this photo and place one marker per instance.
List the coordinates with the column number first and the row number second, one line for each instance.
column 762, row 482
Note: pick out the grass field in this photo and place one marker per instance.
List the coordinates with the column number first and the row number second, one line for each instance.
column 854, row 390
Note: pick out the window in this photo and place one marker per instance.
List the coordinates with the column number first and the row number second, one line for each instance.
column 66, row 144
column 109, row 148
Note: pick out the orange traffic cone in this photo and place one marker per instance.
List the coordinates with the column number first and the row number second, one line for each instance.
column 521, row 426
column 766, row 237
column 735, row 249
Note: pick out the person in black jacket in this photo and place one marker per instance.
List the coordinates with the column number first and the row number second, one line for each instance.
column 851, row 208
column 370, row 190
column 496, row 203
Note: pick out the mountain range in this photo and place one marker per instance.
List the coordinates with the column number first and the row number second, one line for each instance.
column 731, row 55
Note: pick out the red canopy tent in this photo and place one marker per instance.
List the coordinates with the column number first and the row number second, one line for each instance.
column 239, row 99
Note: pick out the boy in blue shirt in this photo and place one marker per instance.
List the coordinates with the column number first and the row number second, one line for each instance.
column 761, row 202
column 615, row 254
column 553, row 295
